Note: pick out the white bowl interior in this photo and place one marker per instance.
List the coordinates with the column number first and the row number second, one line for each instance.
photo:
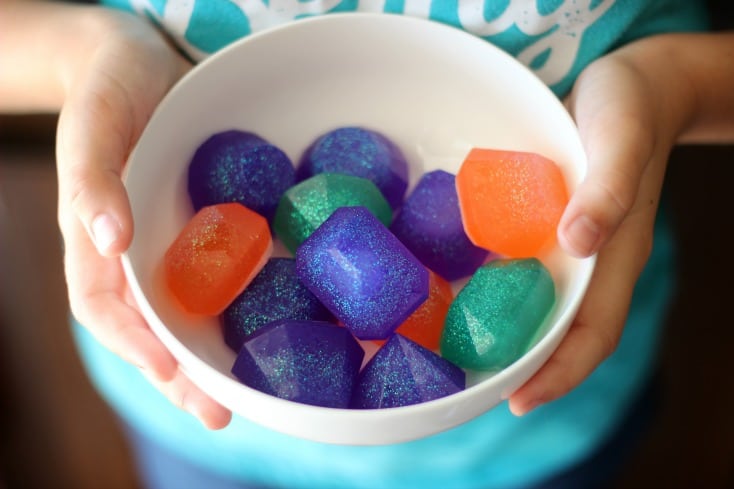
column 432, row 89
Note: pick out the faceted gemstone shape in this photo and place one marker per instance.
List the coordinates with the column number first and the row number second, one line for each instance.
column 495, row 318
column 362, row 273
column 309, row 362
column 429, row 224
column 215, row 256
column 511, row 201
column 239, row 166
column 305, row 206
column 362, row 153
column 275, row 293
column 402, row 373
column 425, row 325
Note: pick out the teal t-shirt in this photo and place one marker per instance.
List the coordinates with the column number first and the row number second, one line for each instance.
column 556, row 39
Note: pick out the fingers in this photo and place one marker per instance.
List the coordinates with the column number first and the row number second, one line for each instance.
column 93, row 139
column 100, row 300
column 598, row 326
column 185, row 395
column 619, row 143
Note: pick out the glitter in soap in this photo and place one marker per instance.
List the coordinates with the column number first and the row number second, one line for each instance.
column 215, row 256
column 309, row 362
column 362, row 273
column 275, row 293
column 362, row 153
column 496, row 316
column 429, row 224
column 511, row 201
column 239, row 166
column 402, row 373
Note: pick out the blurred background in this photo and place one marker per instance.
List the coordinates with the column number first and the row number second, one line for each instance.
column 56, row 432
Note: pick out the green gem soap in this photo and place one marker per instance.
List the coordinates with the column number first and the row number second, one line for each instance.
column 496, row 316
column 305, row 206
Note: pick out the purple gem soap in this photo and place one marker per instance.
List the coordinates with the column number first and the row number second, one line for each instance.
column 275, row 293
column 309, row 362
column 239, row 166
column 362, row 273
column 361, row 153
column 429, row 224
column 402, row 373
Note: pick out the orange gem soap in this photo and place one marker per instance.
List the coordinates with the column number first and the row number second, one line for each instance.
column 511, row 201
column 215, row 256
column 425, row 325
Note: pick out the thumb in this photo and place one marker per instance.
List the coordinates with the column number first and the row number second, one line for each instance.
column 94, row 134
column 619, row 144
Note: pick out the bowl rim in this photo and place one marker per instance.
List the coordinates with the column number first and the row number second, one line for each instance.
column 190, row 363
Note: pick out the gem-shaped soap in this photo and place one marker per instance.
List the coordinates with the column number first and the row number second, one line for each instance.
column 425, row 325
column 402, row 373
column 429, row 224
column 215, row 256
column 275, row 293
column 305, row 206
column 303, row 361
column 496, row 316
column 511, row 201
column 362, row 153
column 362, row 273
column 239, row 166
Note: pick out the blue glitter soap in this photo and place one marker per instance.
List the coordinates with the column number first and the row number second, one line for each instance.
column 239, row 166
column 429, row 224
column 362, row 273
column 495, row 318
column 361, row 153
column 275, row 293
column 403, row 372
column 309, row 362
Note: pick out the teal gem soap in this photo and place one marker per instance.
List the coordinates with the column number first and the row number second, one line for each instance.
column 496, row 316
column 305, row 206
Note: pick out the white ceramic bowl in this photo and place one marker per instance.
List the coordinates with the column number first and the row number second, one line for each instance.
column 434, row 90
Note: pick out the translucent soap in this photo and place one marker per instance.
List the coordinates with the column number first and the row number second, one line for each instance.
column 425, row 325
column 215, row 256
column 496, row 316
column 275, row 293
column 511, row 201
column 362, row 273
column 305, row 206
column 302, row 361
column 402, row 373
column 360, row 152
column 239, row 166
column 429, row 224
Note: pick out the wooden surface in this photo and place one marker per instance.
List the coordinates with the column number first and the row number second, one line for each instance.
column 55, row 432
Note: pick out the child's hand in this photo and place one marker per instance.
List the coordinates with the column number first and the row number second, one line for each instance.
column 111, row 94
column 628, row 125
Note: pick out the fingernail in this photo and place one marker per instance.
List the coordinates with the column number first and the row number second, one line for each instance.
column 583, row 235
column 105, row 231
column 525, row 409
